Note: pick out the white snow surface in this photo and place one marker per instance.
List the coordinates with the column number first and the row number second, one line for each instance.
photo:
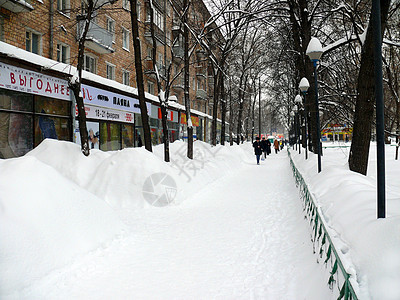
column 76, row 227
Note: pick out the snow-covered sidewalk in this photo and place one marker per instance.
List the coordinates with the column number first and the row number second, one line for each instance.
column 242, row 237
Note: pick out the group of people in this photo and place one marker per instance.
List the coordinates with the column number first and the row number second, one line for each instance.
column 263, row 147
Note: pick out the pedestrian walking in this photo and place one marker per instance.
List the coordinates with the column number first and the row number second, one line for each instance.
column 276, row 146
column 257, row 149
column 268, row 147
column 264, row 147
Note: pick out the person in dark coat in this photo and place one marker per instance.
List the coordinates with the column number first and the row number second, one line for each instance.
column 257, row 149
column 264, row 147
column 268, row 142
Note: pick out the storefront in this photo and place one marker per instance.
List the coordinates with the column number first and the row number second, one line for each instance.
column 183, row 126
column 33, row 106
column 110, row 119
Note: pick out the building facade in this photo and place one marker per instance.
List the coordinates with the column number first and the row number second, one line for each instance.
column 38, row 51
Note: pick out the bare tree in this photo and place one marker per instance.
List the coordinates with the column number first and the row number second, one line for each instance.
column 139, row 75
column 90, row 8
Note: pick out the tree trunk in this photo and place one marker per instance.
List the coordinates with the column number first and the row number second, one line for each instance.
column 165, row 132
column 223, row 111
column 230, row 118
column 139, row 76
column 217, row 84
column 186, row 82
column 76, row 86
column 359, row 151
column 242, row 86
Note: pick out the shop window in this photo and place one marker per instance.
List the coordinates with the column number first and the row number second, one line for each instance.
column 63, row 53
column 111, row 27
column 110, row 71
column 110, row 136
column 52, row 106
column 127, row 135
column 125, row 77
column 125, row 39
column 32, row 42
column 90, row 64
column 11, row 100
column 52, row 119
column 15, row 134
column 139, row 134
column 48, row 127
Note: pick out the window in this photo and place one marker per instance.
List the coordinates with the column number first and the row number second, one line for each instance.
column 63, row 53
column 138, row 7
column 127, row 135
column 169, row 9
column 34, row 118
column 159, row 19
column 126, row 4
column 90, row 64
column 110, row 136
column 32, row 42
column 125, row 39
column 63, row 6
column 194, row 84
column 125, row 77
column 111, row 27
column 110, row 71
column 168, row 37
column 150, row 87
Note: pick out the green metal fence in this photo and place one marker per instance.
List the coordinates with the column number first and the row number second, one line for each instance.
column 322, row 242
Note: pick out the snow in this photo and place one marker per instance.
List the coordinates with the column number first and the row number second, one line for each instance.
column 100, row 227
column 314, row 46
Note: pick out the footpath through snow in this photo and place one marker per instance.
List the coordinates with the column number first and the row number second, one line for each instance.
column 237, row 231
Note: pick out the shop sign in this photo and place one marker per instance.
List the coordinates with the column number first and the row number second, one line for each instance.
column 101, row 113
column 195, row 120
column 171, row 115
column 103, row 98
column 337, row 129
column 22, row 80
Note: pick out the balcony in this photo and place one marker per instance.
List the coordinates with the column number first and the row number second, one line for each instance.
column 211, row 81
column 201, row 94
column 178, row 53
column 201, row 72
column 201, row 54
column 158, row 33
column 16, row 6
column 179, row 83
column 149, row 71
column 98, row 39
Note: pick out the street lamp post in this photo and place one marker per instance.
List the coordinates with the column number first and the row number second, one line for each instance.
column 294, row 130
column 297, row 100
column 380, row 122
column 303, row 86
column 314, row 52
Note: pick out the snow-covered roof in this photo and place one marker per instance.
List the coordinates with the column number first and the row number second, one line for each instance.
column 69, row 70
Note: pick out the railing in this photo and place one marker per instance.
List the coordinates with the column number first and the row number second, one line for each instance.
column 339, row 277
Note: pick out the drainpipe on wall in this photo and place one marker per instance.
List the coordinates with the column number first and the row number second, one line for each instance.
column 51, row 12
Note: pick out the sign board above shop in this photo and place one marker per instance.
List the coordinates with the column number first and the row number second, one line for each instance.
column 26, row 81
column 106, row 99
column 108, row 114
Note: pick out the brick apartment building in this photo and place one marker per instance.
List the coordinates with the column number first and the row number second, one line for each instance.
column 38, row 52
